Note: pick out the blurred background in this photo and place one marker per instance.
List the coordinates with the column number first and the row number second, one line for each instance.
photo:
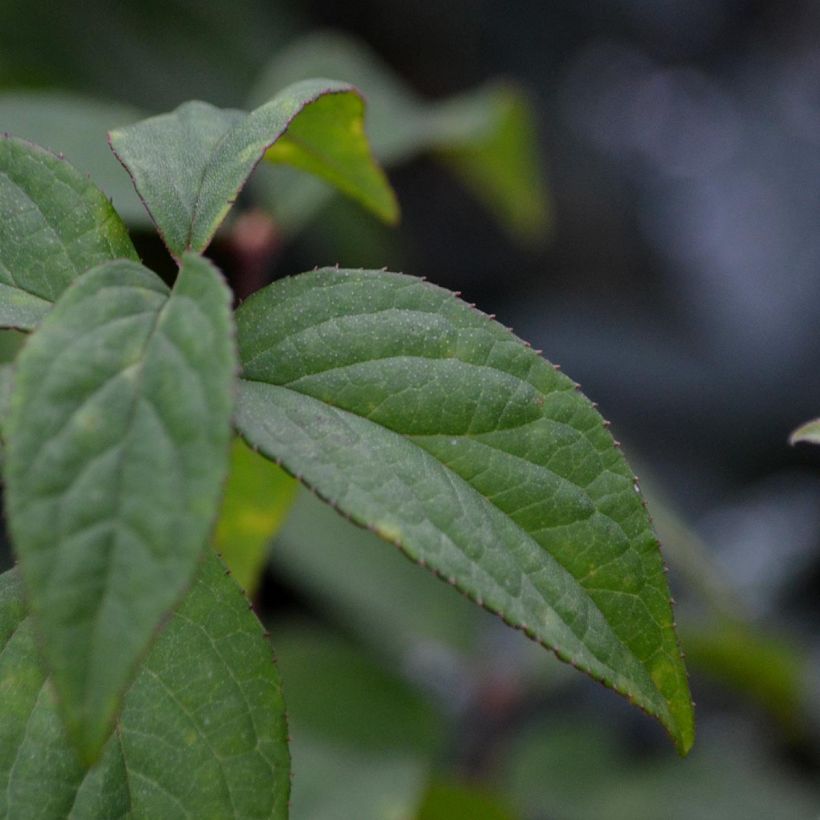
column 634, row 187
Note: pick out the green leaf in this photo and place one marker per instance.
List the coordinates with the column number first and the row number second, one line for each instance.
column 75, row 126
column 258, row 497
column 333, row 782
column 451, row 800
column 118, row 439
column 202, row 731
column 369, row 590
column 810, row 432
column 208, row 154
column 336, row 691
column 441, row 431
column 486, row 135
column 768, row 669
column 54, row 225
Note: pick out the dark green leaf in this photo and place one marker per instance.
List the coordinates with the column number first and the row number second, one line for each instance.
column 202, row 732
column 54, row 225
column 437, row 428
column 258, row 497
column 118, row 440
column 208, row 154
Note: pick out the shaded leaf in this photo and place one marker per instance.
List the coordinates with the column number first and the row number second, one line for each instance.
column 486, row 135
column 54, row 225
column 117, row 447
column 202, row 732
column 337, row 782
column 337, row 692
column 76, row 127
column 258, row 497
column 767, row 669
column 437, row 428
column 209, row 153
column 809, row 432
column 368, row 589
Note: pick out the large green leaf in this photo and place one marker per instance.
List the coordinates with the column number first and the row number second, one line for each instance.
column 258, row 497
column 202, row 731
column 436, row 427
column 54, row 225
column 486, row 135
column 76, row 126
column 208, row 154
column 118, row 439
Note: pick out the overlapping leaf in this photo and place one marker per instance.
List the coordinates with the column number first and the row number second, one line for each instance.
column 202, row 732
column 118, row 437
column 54, row 225
column 437, row 428
column 486, row 135
column 189, row 165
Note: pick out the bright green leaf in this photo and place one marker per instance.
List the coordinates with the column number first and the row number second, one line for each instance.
column 810, row 432
column 486, row 135
column 54, row 225
column 202, row 731
column 208, row 154
column 441, row 431
column 257, row 499
column 118, row 439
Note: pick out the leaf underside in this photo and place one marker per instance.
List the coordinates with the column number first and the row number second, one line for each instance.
column 54, row 225
column 434, row 426
column 202, row 732
column 208, row 154
column 118, row 436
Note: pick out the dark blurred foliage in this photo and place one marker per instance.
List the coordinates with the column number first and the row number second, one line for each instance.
column 679, row 283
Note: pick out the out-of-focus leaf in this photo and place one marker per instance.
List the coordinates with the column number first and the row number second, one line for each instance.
column 76, row 127
column 373, row 590
column 258, row 497
column 209, row 153
column 486, row 135
column 810, row 432
column 337, row 782
column 154, row 53
column 434, row 425
column 690, row 557
column 202, row 732
column 769, row 670
column 54, row 225
column 446, row 800
column 118, row 438
column 567, row 768
column 338, row 693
